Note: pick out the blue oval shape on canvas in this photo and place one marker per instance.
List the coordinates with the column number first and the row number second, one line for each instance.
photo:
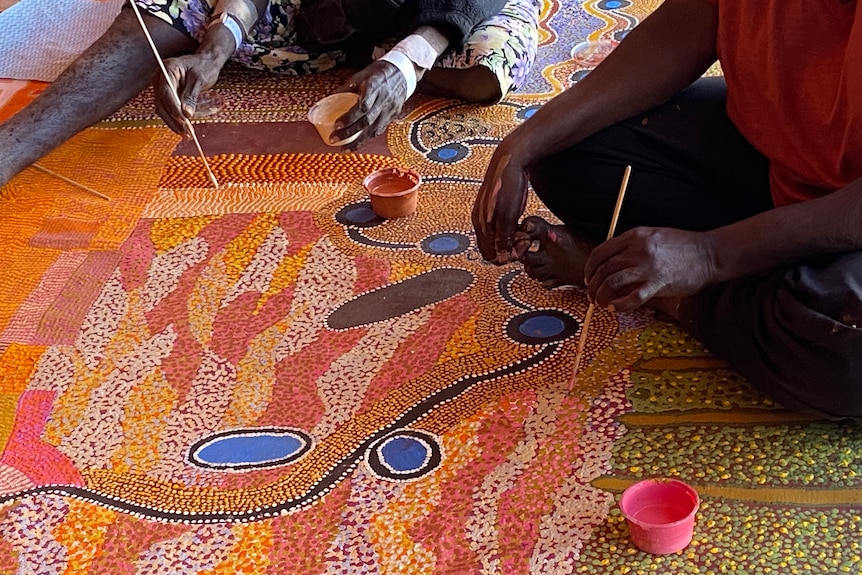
column 250, row 449
column 404, row 455
column 541, row 326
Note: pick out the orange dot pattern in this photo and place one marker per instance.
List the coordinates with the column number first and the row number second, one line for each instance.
column 187, row 171
column 213, row 317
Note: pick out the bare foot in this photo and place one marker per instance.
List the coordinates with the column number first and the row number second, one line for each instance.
column 551, row 254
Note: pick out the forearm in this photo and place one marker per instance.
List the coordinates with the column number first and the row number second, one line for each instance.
column 788, row 235
column 220, row 40
column 423, row 46
column 660, row 57
column 416, row 53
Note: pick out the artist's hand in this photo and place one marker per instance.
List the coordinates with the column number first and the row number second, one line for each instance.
column 382, row 93
column 190, row 76
column 499, row 204
column 629, row 270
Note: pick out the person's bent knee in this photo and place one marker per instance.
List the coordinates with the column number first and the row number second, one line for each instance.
column 476, row 85
column 796, row 334
column 169, row 40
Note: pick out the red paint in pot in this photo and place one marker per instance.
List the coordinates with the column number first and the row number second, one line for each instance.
column 394, row 191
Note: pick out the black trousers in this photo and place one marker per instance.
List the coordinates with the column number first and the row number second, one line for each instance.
column 792, row 331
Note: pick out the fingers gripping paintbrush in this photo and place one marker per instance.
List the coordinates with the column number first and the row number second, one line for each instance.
column 176, row 96
column 589, row 316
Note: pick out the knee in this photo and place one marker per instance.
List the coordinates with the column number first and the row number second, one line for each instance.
column 796, row 334
column 476, row 85
column 126, row 30
column 826, row 372
column 793, row 368
column 818, row 308
column 126, row 23
column 479, row 86
column 826, row 379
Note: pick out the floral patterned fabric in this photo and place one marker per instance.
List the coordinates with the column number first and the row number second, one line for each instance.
column 506, row 44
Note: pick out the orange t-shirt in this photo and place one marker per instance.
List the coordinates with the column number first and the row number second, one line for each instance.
column 794, row 89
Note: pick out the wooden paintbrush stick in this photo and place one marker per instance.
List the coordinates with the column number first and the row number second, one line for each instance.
column 173, row 92
column 589, row 316
column 69, row 181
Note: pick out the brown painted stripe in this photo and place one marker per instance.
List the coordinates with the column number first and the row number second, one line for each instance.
column 753, row 416
column 676, row 363
column 758, row 495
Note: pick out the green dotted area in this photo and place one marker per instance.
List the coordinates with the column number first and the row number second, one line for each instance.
column 733, row 537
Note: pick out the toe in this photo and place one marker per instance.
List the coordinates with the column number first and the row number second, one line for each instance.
column 535, row 227
column 521, row 243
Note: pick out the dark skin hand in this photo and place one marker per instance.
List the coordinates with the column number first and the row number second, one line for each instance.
column 643, row 263
column 635, row 77
column 193, row 74
column 495, row 216
column 382, row 93
column 381, row 87
column 631, row 269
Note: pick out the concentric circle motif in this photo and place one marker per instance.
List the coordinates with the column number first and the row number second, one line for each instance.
column 578, row 76
column 358, row 215
column 243, row 449
column 449, row 154
column 541, row 326
column 445, row 244
column 526, row 113
column 613, row 4
column 404, row 454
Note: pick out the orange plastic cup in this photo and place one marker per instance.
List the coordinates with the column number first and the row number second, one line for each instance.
column 660, row 514
column 394, row 192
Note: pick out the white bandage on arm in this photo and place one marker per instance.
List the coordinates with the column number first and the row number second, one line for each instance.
column 419, row 50
column 405, row 66
column 231, row 24
column 242, row 12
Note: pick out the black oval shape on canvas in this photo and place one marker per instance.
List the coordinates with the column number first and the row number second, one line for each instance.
column 400, row 298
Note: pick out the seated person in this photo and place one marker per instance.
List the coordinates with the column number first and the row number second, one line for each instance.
column 743, row 216
column 487, row 47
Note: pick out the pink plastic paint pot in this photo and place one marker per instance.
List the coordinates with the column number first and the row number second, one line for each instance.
column 660, row 514
column 394, row 192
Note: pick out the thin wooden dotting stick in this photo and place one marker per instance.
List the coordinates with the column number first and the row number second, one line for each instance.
column 173, row 92
column 69, row 181
column 587, row 318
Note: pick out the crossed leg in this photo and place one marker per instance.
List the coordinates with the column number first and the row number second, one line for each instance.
column 794, row 332
column 691, row 170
